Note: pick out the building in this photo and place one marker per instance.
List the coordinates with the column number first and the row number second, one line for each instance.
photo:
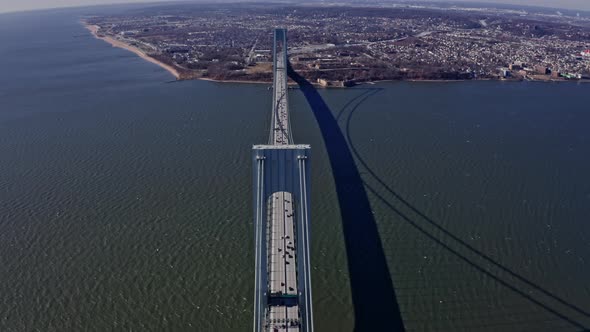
column 514, row 66
column 543, row 70
column 517, row 65
column 340, row 84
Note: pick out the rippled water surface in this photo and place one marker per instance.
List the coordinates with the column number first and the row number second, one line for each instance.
column 125, row 199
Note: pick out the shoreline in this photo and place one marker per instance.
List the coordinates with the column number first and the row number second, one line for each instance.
column 119, row 44
column 229, row 81
column 290, row 84
column 94, row 29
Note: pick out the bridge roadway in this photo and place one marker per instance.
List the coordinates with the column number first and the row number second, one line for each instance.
column 282, row 298
column 280, row 119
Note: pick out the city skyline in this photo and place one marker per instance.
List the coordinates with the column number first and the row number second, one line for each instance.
column 24, row 5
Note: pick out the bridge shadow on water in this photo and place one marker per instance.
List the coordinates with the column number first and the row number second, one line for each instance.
column 373, row 295
column 480, row 261
column 374, row 299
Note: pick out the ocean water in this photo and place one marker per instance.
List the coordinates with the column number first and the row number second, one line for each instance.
column 125, row 197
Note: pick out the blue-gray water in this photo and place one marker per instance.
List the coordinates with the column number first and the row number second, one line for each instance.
column 125, row 200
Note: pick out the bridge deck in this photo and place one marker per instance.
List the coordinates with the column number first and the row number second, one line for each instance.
column 280, row 130
column 281, row 134
column 283, row 288
column 280, row 319
column 283, row 258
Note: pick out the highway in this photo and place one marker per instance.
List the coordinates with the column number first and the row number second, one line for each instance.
column 282, row 295
column 281, row 113
column 282, row 273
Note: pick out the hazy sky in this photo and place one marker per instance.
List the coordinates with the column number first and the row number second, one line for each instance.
column 14, row 5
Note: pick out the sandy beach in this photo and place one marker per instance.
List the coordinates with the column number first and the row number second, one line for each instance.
column 117, row 43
